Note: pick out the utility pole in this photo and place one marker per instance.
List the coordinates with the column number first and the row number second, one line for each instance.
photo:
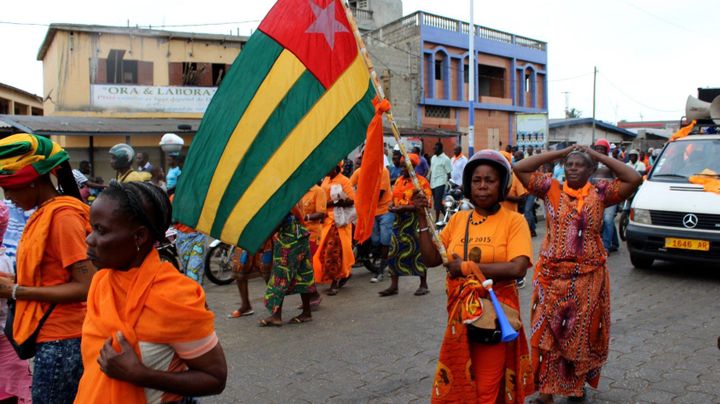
column 471, row 83
column 594, row 88
column 567, row 104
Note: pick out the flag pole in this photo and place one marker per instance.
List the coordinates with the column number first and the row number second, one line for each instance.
column 393, row 127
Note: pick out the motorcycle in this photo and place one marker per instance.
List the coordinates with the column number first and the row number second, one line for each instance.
column 166, row 248
column 218, row 263
column 453, row 202
column 624, row 218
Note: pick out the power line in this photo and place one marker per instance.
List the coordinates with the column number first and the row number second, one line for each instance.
column 633, row 99
column 209, row 24
column 669, row 22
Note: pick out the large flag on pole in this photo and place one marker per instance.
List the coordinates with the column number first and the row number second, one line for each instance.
column 295, row 102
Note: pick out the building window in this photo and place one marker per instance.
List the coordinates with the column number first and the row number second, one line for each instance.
column 438, row 69
column 527, row 82
column 191, row 73
column 218, row 73
column 4, row 106
column 432, row 111
column 491, row 81
column 466, row 73
column 120, row 71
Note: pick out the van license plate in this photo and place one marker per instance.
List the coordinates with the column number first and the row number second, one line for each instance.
column 687, row 244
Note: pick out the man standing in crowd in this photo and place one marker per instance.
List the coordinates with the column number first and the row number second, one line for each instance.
column 121, row 159
column 396, row 168
column 422, row 168
column 143, row 162
column 440, row 170
column 458, row 165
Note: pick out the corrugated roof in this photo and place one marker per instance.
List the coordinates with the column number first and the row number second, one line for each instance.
column 156, row 33
column 562, row 123
column 87, row 126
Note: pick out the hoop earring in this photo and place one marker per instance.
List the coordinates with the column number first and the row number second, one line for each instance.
column 137, row 247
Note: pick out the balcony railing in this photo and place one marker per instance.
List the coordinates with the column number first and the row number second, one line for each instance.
column 364, row 18
column 448, row 24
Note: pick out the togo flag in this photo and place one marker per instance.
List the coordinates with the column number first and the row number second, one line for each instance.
column 295, row 102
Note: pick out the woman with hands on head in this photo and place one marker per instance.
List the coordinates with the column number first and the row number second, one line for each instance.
column 571, row 296
column 488, row 242
column 148, row 336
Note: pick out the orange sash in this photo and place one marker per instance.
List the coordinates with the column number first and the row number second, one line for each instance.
column 578, row 194
column 172, row 308
column 29, row 256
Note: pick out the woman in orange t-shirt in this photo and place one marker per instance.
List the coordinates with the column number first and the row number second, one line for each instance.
column 53, row 272
column 487, row 242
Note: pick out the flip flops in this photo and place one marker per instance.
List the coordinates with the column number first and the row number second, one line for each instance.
column 299, row 320
column 267, row 323
column 388, row 292
column 421, row 291
column 238, row 314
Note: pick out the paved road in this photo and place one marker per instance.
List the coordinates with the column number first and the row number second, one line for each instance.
column 362, row 348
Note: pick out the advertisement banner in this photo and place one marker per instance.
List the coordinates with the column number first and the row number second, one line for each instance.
column 532, row 130
column 151, row 98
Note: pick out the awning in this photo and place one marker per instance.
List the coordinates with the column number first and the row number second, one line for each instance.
column 91, row 126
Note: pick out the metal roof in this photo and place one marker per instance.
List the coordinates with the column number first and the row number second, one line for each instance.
column 96, row 126
column 134, row 31
column 562, row 123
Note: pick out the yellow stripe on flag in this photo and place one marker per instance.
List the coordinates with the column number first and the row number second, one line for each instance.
column 286, row 70
column 325, row 115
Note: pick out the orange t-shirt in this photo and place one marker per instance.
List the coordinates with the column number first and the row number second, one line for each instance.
column 501, row 238
column 383, row 205
column 516, row 190
column 314, row 201
column 65, row 246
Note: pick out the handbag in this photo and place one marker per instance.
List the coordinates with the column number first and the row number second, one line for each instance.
column 486, row 329
column 27, row 349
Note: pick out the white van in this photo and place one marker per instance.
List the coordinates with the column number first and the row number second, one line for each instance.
column 671, row 218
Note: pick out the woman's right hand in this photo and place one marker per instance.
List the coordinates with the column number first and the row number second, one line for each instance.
column 420, row 201
column 454, row 266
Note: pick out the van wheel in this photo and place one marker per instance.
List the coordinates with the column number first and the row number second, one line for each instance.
column 641, row 261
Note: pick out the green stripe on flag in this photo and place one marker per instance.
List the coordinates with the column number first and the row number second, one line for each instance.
column 227, row 106
column 341, row 141
column 298, row 101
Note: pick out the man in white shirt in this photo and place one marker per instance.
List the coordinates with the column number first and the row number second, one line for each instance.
column 440, row 170
column 458, row 165
column 636, row 164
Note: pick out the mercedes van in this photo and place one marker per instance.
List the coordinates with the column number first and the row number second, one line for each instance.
column 671, row 218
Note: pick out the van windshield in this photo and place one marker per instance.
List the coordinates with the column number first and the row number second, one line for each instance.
column 683, row 159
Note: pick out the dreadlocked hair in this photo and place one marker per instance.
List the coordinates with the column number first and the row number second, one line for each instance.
column 143, row 202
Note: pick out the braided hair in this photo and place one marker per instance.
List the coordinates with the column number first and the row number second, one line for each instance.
column 143, row 202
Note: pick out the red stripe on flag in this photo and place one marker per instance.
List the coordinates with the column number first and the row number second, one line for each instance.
column 317, row 32
column 366, row 198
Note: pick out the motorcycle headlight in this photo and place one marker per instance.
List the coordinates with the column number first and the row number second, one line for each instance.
column 641, row 216
column 449, row 201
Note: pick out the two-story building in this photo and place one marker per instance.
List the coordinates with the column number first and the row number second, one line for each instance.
column 101, row 82
column 423, row 60
column 14, row 101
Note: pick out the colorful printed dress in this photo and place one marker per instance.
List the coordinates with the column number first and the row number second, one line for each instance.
column 292, row 271
column 571, row 288
column 404, row 256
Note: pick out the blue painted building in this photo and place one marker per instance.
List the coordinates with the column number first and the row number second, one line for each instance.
column 423, row 59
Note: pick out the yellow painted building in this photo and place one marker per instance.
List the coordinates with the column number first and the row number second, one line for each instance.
column 101, row 72
column 14, row 101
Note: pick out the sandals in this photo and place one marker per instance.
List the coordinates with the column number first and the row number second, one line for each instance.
column 267, row 323
column 421, row 291
column 388, row 292
column 300, row 320
column 238, row 313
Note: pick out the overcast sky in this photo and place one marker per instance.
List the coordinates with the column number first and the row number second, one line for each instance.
column 651, row 54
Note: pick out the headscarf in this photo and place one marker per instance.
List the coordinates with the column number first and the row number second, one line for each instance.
column 25, row 158
column 414, row 159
